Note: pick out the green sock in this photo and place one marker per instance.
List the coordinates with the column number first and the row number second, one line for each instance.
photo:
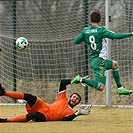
column 92, row 83
column 116, row 75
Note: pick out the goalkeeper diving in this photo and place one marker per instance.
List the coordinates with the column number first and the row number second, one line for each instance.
column 40, row 111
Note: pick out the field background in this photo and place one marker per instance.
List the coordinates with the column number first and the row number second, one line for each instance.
column 101, row 120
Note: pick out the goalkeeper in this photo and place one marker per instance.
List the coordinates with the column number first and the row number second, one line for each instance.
column 94, row 36
column 39, row 111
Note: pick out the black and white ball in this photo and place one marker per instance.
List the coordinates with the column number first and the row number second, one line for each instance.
column 22, row 43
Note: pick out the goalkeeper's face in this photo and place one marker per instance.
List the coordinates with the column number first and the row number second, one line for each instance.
column 74, row 99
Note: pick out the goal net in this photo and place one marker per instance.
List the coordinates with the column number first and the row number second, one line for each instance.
column 51, row 27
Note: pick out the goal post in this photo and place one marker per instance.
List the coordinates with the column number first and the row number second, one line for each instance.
column 51, row 27
column 107, row 24
column 86, row 49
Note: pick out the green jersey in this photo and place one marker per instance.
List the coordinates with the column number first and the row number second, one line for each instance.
column 95, row 36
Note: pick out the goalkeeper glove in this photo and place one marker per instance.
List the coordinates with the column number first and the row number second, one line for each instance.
column 84, row 110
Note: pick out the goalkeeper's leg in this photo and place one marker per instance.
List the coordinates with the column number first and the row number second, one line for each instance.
column 35, row 116
column 20, row 95
column 31, row 99
column 21, row 118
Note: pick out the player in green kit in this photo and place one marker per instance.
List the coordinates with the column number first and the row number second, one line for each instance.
column 95, row 36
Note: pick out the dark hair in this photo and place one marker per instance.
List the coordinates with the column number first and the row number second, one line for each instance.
column 77, row 95
column 95, row 16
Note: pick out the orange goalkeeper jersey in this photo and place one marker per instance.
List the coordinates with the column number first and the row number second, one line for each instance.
column 55, row 111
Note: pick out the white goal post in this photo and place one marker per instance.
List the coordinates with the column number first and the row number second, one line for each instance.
column 51, row 27
column 107, row 24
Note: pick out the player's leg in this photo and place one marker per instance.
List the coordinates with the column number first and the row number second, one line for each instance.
column 98, row 65
column 21, row 118
column 116, row 75
column 99, row 68
column 31, row 99
column 94, row 83
column 35, row 116
column 88, row 81
column 12, row 94
column 110, row 64
column 2, row 90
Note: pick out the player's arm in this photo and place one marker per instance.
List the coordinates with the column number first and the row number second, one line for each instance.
column 85, row 110
column 112, row 35
column 63, row 84
column 69, row 118
column 79, row 38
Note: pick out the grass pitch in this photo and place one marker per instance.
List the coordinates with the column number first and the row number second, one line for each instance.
column 101, row 120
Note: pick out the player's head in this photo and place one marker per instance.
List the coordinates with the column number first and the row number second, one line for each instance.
column 75, row 99
column 95, row 16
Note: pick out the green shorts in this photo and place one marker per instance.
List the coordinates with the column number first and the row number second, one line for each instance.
column 100, row 66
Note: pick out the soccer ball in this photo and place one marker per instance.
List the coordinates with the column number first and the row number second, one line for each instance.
column 22, row 43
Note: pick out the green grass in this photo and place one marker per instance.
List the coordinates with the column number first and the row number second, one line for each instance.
column 101, row 120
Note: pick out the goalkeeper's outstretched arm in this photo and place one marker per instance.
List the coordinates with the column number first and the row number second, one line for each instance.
column 69, row 118
column 85, row 110
column 63, row 84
